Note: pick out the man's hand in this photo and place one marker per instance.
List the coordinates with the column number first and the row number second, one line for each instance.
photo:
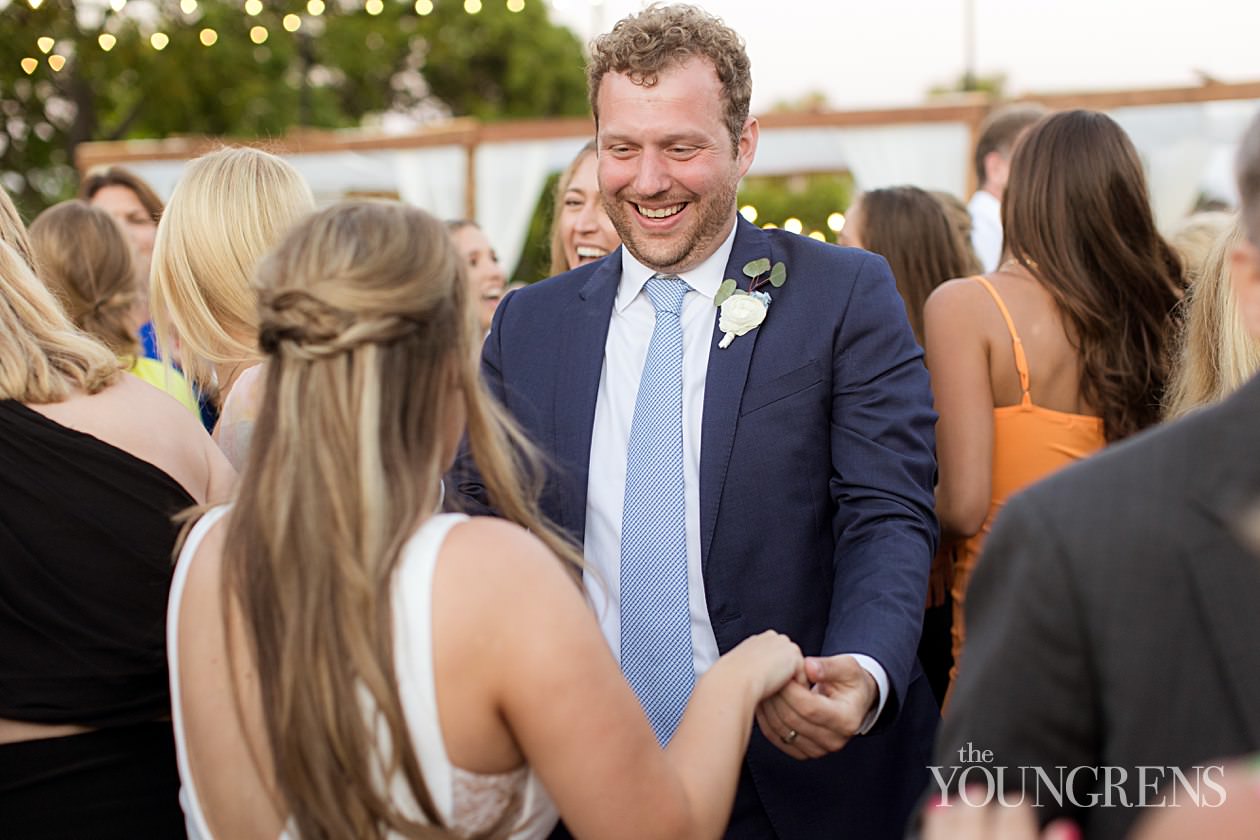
column 810, row 722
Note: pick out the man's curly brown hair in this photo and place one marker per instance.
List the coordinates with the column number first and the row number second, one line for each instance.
column 642, row 46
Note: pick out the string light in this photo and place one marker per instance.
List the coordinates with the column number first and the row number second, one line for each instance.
column 35, row 4
column 258, row 34
column 253, row 8
column 30, row 65
column 472, row 6
column 56, row 62
column 106, row 41
column 515, row 6
column 208, row 37
column 424, row 7
column 188, row 6
column 45, row 44
column 159, row 40
column 793, row 225
column 818, row 234
column 315, row 8
column 769, row 226
column 118, row 5
column 374, row 7
column 836, row 222
column 748, row 212
column 291, row 23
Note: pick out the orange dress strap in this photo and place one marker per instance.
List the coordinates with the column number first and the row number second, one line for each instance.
column 1021, row 361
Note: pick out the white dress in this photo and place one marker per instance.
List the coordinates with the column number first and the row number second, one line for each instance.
column 468, row 802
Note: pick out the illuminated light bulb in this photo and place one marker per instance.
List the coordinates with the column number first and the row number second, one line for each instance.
column 56, row 62
column 769, row 226
column 748, row 212
column 45, row 44
column 253, row 8
column 472, row 6
column 208, row 37
column 188, row 6
column 258, row 34
column 35, row 4
column 515, row 6
column 30, row 65
column 315, row 8
column 424, row 7
column 291, row 23
column 117, row 5
column 818, row 234
column 159, row 40
column 793, row 225
column 836, row 222
column 374, row 7
column 106, row 41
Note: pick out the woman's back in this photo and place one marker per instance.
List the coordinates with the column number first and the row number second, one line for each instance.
column 471, row 766
column 1053, row 363
column 1007, row 379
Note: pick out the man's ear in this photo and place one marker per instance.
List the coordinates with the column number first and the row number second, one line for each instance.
column 747, row 148
column 1244, row 273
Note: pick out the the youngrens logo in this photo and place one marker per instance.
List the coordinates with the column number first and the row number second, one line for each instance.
column 977, row 781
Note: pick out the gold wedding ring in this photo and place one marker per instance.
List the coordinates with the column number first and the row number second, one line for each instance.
column 790, row 737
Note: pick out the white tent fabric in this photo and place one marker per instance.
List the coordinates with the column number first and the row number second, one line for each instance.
column 510, row 178
column 433, row 178
column 929, row 155
column 1187, row 151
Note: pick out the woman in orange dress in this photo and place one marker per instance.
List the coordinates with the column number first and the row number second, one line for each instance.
column 1062, row 349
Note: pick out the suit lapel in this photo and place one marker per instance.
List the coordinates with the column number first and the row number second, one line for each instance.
column 585, row 325
column 724, row 387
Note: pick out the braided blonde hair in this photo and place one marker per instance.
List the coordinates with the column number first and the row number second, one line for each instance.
column 371, row 343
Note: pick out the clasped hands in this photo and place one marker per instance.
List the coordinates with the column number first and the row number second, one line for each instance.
column 820, row 708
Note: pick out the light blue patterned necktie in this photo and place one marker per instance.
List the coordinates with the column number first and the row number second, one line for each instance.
column 656, row 652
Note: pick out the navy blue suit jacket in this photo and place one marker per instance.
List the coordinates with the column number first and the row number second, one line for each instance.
column 816, row 494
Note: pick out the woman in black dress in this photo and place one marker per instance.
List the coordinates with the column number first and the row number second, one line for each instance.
column 87, row 496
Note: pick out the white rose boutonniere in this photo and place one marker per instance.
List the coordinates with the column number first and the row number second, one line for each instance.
column 743, row 311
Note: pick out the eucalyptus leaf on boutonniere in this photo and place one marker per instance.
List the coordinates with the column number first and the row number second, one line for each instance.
column 743, row 311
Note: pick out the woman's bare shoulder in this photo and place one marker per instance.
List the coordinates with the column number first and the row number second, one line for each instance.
column 491, row 564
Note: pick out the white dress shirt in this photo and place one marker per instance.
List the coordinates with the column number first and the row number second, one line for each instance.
column 986, row 229
column 625, row 351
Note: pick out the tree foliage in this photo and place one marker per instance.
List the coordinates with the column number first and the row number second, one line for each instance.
column 336, row 68
column 810, row 198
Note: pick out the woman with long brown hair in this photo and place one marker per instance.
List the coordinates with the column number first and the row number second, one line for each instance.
column 348, row 662
column 913, row 230
column 83, row 256
column 1063, row 349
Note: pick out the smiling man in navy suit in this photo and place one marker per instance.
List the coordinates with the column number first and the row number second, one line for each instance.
column 741, row 435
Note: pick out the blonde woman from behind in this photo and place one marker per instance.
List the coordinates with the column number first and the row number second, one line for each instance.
column 332, row 611
column 1215, row 354
column 228, row 209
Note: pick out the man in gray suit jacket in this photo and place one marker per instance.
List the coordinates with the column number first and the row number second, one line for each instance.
column 1113, row 648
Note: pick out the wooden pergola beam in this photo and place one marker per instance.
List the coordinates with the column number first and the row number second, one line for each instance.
column 470, row 133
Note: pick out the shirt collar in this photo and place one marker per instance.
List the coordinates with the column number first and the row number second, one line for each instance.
column 704, row 278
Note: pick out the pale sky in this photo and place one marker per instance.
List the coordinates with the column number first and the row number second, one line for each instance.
column 889, row 52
